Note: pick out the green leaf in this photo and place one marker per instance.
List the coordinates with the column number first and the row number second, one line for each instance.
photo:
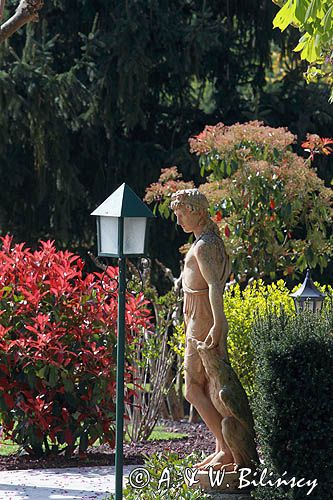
column 300, row 11
column 302, row 42
column 18, row 298
column 301, row 262
column 310, row 52
column 280, row 236
column 234, row 165
column 327, row 21
column 311, row 13
column 42, row 372
column 7, row 289
column 53, row 376
column 285, row 16
column 311, row 257
column 68, row 384
column 203, row 164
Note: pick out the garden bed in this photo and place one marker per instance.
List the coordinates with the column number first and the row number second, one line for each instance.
column 198, row 439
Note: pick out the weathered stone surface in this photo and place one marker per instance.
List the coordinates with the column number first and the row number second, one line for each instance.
column 218, row 483
column 211, row 385
column 216, row 480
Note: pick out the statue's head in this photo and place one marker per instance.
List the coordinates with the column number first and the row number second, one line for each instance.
column 191, row 208
column 190, row 198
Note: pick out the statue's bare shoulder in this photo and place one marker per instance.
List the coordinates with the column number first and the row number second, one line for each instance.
column 208, row 251
column 209, row 246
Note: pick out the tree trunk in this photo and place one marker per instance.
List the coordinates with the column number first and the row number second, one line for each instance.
column 175, row 405
column 194, row 415
column 164, row 411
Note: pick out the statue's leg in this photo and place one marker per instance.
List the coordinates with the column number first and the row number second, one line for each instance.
column 196, row 393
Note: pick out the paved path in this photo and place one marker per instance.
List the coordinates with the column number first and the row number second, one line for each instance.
column 84, row 483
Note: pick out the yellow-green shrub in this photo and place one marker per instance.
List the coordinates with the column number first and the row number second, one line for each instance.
column 241, row 307
column 177, row 342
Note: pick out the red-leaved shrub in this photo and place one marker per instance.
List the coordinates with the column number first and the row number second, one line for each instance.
column 57, row 348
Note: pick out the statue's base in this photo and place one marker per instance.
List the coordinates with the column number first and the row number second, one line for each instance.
column 220, row 485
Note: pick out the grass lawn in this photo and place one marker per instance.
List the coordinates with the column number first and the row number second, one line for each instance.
column 8, row 448
column 159, row 433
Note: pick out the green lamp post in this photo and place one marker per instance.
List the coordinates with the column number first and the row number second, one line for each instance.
column 122, row 221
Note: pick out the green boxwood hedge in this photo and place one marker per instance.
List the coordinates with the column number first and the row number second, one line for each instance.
column 293, row 402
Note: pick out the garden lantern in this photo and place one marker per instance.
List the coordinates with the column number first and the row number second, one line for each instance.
column 121, row 232
column 122, row 224
column 308, row 297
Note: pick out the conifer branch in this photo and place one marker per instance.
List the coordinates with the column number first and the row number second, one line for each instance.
column 26, row 12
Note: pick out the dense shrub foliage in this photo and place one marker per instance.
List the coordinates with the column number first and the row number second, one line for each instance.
column 293, row 405
column 57, row 359
column 273, row 210
column 100, row 90
column 241, row 307
column 167, row 479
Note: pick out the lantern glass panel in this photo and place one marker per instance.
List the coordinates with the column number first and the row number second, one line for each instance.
column 108, row 235
column 309, row 305
column 134, row 235
column 318, row 305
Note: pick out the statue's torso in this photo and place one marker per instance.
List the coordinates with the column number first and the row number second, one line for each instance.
column 192, row 277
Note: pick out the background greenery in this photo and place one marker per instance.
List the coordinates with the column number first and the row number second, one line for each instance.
column 268, row 202
column 314, row 19
column 243, row 307
column 100, row 92
column 167, row 479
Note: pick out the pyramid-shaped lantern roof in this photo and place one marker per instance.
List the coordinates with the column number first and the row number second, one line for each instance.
column 123, row 202
column 308, row 290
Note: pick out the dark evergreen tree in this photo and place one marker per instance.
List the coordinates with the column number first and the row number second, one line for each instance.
column 100, row 92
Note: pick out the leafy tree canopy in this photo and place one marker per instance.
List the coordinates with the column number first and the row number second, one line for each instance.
column 271, row 206
column 314, row 19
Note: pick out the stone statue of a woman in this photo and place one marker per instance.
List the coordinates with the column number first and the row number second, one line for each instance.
column 211, row 385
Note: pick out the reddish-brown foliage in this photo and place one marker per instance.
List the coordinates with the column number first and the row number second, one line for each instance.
column 57, row 338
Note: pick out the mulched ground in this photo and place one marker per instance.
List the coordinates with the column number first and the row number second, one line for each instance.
column 198, row 439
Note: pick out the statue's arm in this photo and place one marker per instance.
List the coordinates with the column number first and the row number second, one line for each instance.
column 210, row 265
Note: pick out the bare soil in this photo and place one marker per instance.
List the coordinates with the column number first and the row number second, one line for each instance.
column 198, row 439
